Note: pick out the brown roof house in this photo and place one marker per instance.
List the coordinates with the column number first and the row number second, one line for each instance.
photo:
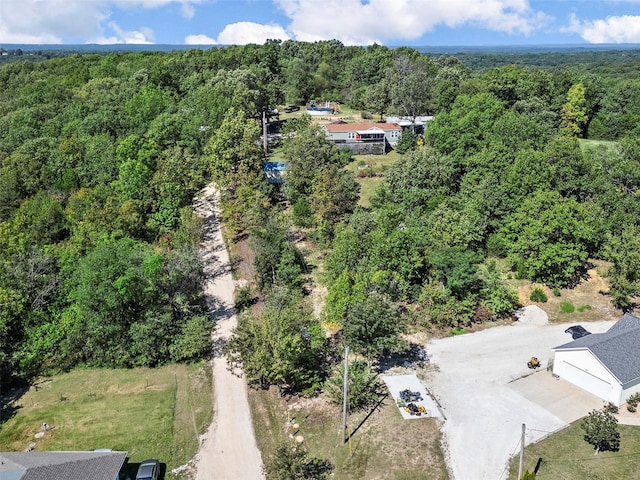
column 98, row 465
column 364, row 138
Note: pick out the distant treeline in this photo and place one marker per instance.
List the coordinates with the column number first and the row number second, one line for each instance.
column 581, row 58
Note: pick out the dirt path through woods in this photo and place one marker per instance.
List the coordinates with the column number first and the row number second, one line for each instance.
column 228, row 450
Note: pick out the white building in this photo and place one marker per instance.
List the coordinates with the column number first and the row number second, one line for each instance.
column 604, row 364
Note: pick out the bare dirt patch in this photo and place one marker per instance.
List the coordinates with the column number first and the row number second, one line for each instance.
column 590, row 298
column 242, row 257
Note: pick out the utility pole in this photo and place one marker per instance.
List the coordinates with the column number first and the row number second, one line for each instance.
column 264, row 131
column 521, row 466
column 345, row 389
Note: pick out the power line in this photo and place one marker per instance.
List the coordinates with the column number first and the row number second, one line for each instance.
column 579, row 434
column 591, row 458
column 506, row 467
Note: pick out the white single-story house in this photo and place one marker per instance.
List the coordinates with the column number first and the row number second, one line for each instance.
column 359, row 134
column 604, row 364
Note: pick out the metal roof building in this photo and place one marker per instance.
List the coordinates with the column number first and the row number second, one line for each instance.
column 61, row 465
column 605, row 364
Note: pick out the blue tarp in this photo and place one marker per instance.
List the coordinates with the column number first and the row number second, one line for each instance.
column 274, row 171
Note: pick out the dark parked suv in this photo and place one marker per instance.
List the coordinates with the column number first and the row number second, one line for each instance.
column 149, row 470
column 577, row 331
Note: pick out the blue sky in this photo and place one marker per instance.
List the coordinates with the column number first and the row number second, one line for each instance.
column 360, row 22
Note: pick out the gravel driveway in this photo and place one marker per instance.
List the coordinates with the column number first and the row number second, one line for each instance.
column 476, row 381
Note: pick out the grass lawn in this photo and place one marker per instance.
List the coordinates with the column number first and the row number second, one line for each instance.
column 384, row 447
column 567, row 456
column 587, row 143
column 150, row 413
column 368, row 187
column 370, row 163
column 377, row 162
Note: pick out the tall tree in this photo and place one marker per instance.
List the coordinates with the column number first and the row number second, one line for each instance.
column 550, row 237
column 574, row 112
column 233, row 148
column 377, row 98
column 281, row 346
column 334, row 195
column 373, row 327
column 622, row 249
column 412, row 86
column 307, row 153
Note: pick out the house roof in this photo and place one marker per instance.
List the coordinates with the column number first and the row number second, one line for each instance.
column 53, row 465
column 360, row 127
column 408, row 121
column 617, row 349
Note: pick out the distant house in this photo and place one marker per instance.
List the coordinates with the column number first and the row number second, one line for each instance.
column 99, row 465
column 363, row 138
column 604, row 364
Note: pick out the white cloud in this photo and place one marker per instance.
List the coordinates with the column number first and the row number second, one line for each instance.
column 33, row 21
column 199, row 40
column 365, row 22
column 151, row 3
column 241, row 33
column 57, row 21
column 144, row 35
column 621, row 29
column 188, row 10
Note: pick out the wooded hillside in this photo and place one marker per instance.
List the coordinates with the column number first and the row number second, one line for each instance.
column 101, row 156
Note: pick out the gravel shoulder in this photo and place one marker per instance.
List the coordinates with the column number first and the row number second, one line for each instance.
column 228, row 450
column 474, row 377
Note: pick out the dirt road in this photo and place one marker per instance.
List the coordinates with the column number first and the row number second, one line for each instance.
column 228, row 450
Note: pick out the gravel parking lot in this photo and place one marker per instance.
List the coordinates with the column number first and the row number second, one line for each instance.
column 487, row 393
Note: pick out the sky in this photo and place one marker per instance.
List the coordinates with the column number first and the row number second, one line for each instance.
column 353, row 22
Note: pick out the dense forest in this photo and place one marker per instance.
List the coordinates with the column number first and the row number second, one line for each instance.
column 101, row 156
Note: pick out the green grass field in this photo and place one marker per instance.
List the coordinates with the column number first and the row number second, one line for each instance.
column 375, row 163
column 567, row 456
column 368, row 187
column 587, row 143
column 150, row 413
column 384, row 447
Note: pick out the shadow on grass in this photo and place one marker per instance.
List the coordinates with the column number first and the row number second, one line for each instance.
column 363, row 421
column 8, row 409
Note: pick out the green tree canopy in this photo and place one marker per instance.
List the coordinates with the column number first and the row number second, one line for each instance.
column 550, row 237
column 281, row 346
column 622, row 249
column 373, row 327
column 601, row 431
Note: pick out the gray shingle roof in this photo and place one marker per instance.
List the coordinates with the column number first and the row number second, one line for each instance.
column 618, row 349
column 61, row 465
